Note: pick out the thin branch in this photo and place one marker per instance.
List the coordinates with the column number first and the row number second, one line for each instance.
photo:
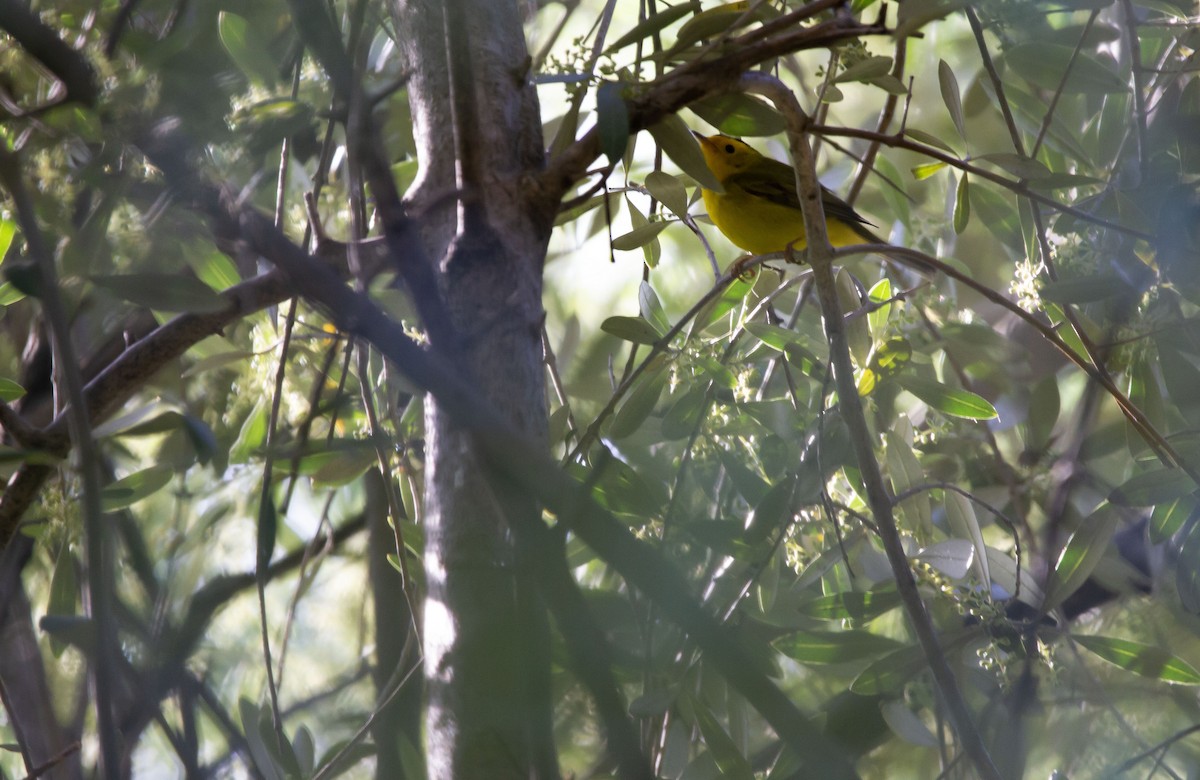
column 97, row 537
column 820, row 258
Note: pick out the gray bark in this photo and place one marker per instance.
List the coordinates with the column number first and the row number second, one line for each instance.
column 485, row 632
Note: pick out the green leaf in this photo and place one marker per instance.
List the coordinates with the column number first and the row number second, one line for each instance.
column 164, row 292
column 1168, row 517
column 832, row 647
column 10, row 294
column 963, row 524
column 8, row 229
column 635, row 329
column 1080, row 555
column 246, row 48
column 962, row 204
column 135, row 487
column 10, row 391
column 947, row 400
column 928, row 139
column 678, row 143
column 669, row 191
column 865, row 70
column 1044, row 65
column 851, row 605
column 1153, row 487
column 651, row 308
column 773, row 512
column 951, row 557
column 925, row 170
column 1144, row 660
column 905, row 724
column 739, row 114
column 1018, row 165
column 638, row 406
column 657, row 23
column 890, row 673
column 905, row 472
column 639, row 236
column 951, row 96
column 723, row 750
column 64, row 594
column 612, row 119
column 879, row 295
column 717, row 20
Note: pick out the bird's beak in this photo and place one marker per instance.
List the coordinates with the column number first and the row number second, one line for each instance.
column 700, row 139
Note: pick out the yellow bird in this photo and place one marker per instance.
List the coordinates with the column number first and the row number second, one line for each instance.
column 759, row 210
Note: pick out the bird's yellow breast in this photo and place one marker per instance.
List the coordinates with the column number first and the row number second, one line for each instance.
column 759, row 226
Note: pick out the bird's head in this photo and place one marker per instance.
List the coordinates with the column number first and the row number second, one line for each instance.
column 726, row 155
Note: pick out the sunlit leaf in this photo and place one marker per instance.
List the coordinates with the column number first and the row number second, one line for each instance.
column 135, row 487
column 1144, row 660
column 947, row 400
column 1080, row 555
column 951, row 96
column 831, row 647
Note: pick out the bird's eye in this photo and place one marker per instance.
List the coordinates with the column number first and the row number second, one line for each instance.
column 729, row 148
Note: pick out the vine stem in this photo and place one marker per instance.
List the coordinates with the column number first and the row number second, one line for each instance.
column 820, row 258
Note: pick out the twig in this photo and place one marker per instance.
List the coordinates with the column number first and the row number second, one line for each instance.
column 820, row 258
column 97, row 538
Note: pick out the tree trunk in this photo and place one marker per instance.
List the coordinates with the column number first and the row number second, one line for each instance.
column 485, row 632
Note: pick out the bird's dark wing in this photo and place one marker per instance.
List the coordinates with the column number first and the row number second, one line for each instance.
column 766, row 182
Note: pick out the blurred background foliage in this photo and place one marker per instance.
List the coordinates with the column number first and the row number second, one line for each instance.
column 697, row 408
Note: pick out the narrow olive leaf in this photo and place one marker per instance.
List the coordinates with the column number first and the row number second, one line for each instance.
column 134, row 487
column 963, row 524
column 858, row 333
column 10, row 391
column 952, row 557
column 739, row 114
column 733, row 296
column 951, row 96
column 651, row 308
column 746, row 482
column 1044, row 65
column 864, row 70
column 1144, row 660
column 947, row 400
column 879, row 295
column 1084, row 290
column 1060, row 181
column 1168, row 517
column 638, row 406
column 1003, row 570
column 851, row 605
column 657, row 23
column 669, row 191
column 344, row 467
column 905, row 472
column 890, row 673
column 246, row 51
column 774, row 336
column 678, row 143
column 889, row 84
column 715, row 21
column 928, row 139
column 1080, row 555
column 639, row 236
column 834, row 647
column 905, row 724
column 962, row 204
column 1151, row 488
column 1187, row 565
column 8, row 229
column 681, row 419
column 774, row 511
column 164, row 292
column 925, row 170
column 612, row 119
column 634, row 329
column 721, row 747
column 10, row 294
column 717, row 371
column 1017, row 164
